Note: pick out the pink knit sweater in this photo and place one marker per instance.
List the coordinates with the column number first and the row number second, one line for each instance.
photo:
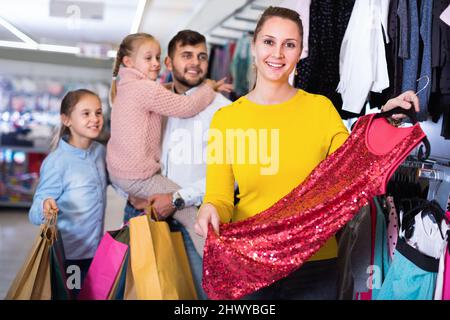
column 134, row 149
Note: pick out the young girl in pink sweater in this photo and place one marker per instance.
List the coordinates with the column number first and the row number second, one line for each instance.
column 138, row 104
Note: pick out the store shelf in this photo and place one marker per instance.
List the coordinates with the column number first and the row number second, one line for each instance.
column 15, row 204
column 19, row 175
column 26, row 149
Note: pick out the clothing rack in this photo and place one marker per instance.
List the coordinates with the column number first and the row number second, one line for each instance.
column 439, row 189
column 437, row 174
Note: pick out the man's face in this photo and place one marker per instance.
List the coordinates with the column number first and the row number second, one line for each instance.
column 189, row 64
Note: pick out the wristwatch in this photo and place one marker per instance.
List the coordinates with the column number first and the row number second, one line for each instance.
column 177, row 201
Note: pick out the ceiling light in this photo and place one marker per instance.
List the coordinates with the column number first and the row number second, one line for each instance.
column 138, row 16
column 55, row 48
column 22, row 36
column 18, row 44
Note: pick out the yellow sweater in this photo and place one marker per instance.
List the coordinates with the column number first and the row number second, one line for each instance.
column 268, row 150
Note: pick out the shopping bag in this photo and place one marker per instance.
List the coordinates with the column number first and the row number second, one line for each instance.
column 105, row 267
column 159, row 262
column 130, row 288
column 123, row 288
column 60, row 291
column 33, row 281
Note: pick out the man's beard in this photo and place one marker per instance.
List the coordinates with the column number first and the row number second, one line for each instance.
column 185, row 82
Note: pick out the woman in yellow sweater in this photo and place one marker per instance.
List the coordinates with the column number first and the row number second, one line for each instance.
column 268, row 142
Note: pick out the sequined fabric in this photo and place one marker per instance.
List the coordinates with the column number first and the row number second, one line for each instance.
column 256, row 252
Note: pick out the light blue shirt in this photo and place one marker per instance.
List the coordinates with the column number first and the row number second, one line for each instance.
column 77, row 180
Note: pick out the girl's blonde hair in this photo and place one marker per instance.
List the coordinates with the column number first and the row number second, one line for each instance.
column 126, row 48
column 68, row 103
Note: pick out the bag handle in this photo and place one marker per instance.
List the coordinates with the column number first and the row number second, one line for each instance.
column 151, row 211
column 49, row 227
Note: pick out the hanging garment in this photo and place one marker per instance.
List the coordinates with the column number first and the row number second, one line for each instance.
column 418, row 65
column 445, row 16
column 366, row 292
column 241, row 66
column 426, row 15
column 439, row 105
column 362, row 59
column 319, row 72
column 428, row 237
column 381, row 255
column 416, row 268
column 440, row 277
column 392, row 226
column 440, row 55
column 440, row 62
column 255, row 252
column 396, row 49
column 412, row 275
column 354, row 256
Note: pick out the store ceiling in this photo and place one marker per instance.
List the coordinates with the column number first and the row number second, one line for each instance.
column 97, row 26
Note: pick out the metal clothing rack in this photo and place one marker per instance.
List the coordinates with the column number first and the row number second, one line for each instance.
column 438, row 175
column 439, row 189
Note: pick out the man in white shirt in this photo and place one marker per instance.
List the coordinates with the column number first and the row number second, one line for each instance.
column 185, row 140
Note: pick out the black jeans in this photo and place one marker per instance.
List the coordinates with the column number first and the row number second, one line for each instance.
column 315, row 280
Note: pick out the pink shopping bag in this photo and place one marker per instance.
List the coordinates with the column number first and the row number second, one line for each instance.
column 105, row 267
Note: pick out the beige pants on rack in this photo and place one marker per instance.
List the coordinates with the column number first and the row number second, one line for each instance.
column 160, row 184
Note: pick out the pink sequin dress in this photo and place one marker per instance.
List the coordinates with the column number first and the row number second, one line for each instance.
column 254, row 253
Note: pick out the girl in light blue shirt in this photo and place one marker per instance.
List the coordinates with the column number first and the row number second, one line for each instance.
column 73, row 180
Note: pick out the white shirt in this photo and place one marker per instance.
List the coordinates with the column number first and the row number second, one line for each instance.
column 183, row 156
column 445, row 15
column 427, row 237
column 362, row 59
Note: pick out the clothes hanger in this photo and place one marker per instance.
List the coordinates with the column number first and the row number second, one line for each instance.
column 424, row 207
column 439, row 189
column 411, row 114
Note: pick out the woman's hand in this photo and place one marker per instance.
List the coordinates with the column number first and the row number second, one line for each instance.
column 219, row 86
column 50, row 208
column 406, row 100
column 207, row 214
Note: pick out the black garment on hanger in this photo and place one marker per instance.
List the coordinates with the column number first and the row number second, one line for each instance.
column 319, row 72
column 212, row 57
column 440, row 106
column 440, row 55
column 440, row 62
